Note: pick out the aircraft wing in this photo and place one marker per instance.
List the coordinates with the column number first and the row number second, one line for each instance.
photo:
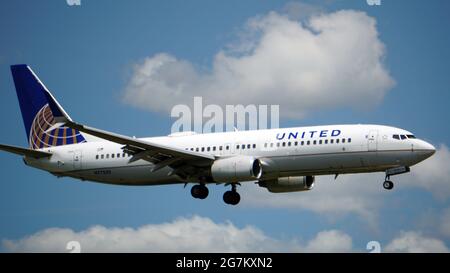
column 24, row 151
column 158, row 154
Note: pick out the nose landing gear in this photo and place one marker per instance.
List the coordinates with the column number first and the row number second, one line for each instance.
column 388, row 185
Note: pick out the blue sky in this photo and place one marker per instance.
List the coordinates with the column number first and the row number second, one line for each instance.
column 87, row 55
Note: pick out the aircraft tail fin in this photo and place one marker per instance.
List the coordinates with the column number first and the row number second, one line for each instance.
column 42, row 115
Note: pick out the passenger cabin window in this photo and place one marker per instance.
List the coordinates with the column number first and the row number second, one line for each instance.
column 96, row 157
column 254, row 146
column 349, row 140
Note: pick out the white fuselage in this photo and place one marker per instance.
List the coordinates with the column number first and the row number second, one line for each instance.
column 298, row 151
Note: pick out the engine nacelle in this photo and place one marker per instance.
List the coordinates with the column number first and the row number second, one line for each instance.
column 289, row 184
column 235, row 169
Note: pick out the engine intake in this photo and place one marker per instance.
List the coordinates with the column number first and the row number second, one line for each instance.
column 289, row 184
column 235, row 169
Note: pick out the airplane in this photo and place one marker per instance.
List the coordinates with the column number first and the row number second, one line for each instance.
column 280, row 160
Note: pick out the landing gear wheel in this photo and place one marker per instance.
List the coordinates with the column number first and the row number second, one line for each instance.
column 388, row 185
column 199, row 191
column 231, row 197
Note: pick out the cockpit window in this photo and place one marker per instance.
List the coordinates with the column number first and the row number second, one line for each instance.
column 403, row 137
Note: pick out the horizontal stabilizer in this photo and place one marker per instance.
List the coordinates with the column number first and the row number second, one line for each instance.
column 24, row 151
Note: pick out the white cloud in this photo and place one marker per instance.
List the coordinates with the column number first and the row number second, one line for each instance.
column 196, row 234
column 330, row 241
column 432, row 174
column 201, row 234
column 445, row 223
column 413, row 241
column 332, row 60
column 301, row 11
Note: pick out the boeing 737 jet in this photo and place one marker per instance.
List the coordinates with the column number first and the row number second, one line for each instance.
column 281, row 160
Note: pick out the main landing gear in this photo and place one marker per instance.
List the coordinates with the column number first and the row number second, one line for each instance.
column 199, row 191
column 232, row 197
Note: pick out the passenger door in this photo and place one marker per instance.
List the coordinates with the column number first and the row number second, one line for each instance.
column 77, row 156
column 372, row 141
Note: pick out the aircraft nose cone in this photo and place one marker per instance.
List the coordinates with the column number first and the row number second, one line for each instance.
column 427, row 149
column 431, row 149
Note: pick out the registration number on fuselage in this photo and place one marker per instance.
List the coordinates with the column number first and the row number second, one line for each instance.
column 104, row 172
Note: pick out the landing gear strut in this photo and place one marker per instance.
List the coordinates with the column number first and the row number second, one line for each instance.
column 232, row 197
column 199, row 191
column 387, row 184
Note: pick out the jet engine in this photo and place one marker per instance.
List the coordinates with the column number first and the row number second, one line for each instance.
column 289, row 184
column 235, row 169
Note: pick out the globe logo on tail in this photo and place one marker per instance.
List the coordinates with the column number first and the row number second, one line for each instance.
column 42, row 137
